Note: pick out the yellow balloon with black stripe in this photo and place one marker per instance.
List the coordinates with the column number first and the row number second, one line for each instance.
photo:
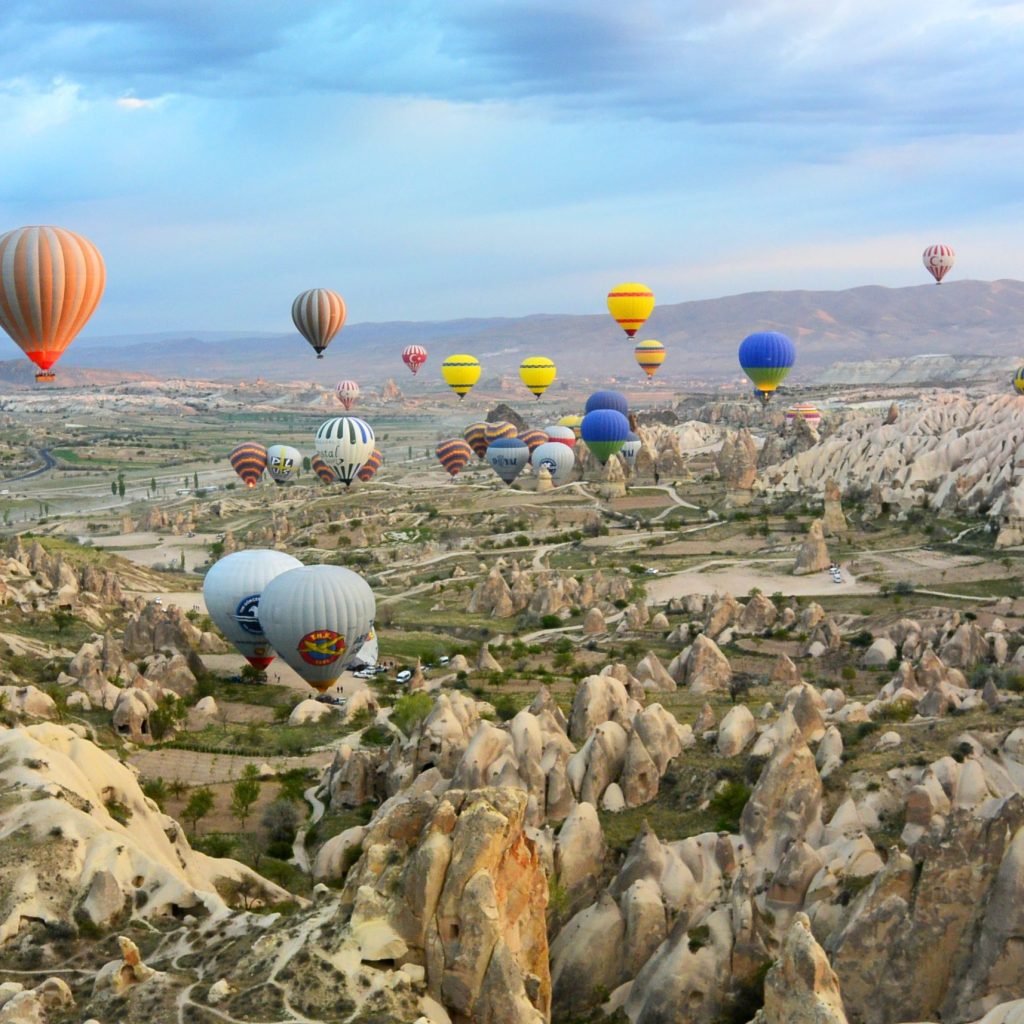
column 460, row 373
column 649, row 355
column 1018, row 381
column 537, row 373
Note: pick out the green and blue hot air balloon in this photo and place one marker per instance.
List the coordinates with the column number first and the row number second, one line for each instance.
column 604, row 431
column 766, row 357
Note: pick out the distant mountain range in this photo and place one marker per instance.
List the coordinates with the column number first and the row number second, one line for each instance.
column 859, row 325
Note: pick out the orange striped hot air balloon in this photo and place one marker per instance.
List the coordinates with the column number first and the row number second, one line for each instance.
column 454, row 454
column 322, row 470
column 476, row 436
column 649, row 355
column 319, row 314
column 533, row 438
column 368, row 470
column 249, row 460
column 51, row 280
column 495, row 431
column 630, row 304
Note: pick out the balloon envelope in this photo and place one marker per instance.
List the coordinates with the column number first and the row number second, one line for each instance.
column 51, row 281
column 533, row 438
column 766, row 358
column 249, row 460
column 561, row 434
column 507, row 456
column 631, row 449
column 318, row 315
column 499, row 429
column 345, row 443
column 806, row 411
column 347, row 392
column 558, row 459
column 537, row 373
column 649, row 355
column 454, row 454
column 607, row 400
column 1018, row 381
column 605, row 432
column 572, row 421
column 283, row 462
column 322, row 470
column 938, row 261
column 368, row 470
column 460, row 373
column 231, row 590
column 476, row 438
column 414, row 356
column 317, row 617
column 630, row 304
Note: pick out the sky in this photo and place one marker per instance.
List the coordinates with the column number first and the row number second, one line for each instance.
column 438, row 159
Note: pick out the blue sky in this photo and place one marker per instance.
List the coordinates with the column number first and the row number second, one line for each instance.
column 433, row 160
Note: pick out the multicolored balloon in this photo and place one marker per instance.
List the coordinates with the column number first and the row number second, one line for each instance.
column 322, row 470
column 604, row 431
column 558, row 459
column 414, row 356
column 806, row 411
column 51, row 281
column 507, row 456
column 630, row 304
column 766, row 358
column 460, row 373
column 1018, row 381
column 454, row 454
column 533, row 439
column 317, row 618
column 630, row 450
column 249, row 460
column 499, row 429
column 537, row 373
column 476, row 437
column 607, row 400
column 573, row 422
column 347, row 392
column 938, row 261
column 649, row 356
column 368, row 470
column 318, row 315
column 345, row 443
column 283, row 462
column 563, row 435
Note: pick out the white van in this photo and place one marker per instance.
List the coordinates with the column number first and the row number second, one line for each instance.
column 404, row 676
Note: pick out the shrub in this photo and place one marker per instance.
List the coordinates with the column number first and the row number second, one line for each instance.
column 550, row 622
column 897, row 711
column 377, row 736
column 848, row 672
column 410, row 710
column 728, row 805
column 863, row 639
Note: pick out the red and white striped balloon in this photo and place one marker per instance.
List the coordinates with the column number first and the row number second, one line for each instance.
column 414, row 356
column 347, row 392
column 938, row 261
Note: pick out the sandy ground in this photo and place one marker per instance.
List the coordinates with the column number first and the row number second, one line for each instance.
column 740, row 581
column 149, row 549
column 196, row 769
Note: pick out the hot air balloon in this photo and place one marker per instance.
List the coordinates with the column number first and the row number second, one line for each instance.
column 558, row 459
column 414, row 356
column 51, row 281
column 507, row 456
column 630, row 304
column 249, row 460
column 572, row 421
column 806, row 411
column 605, row 432
column 607, row 400
column 322, row 470
column 232, row 589
column 319, row 314
column 563, row 435
column 454, row 454
column 347, row 392
column 537, row 373
column 649, row 355
column 345, row 443
column 533, row 439
column 460, row 373
column 1018, row 381
column 938, row 261
column 283, row 462
column 630, row 450
column 368, row 470
column 499, row 429
column 476, row 437
column 317, row 618
column 766, row 358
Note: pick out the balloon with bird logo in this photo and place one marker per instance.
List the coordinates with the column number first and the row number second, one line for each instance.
column 630, row 304
column 345, row 443
column 454, row 454
column 414, row 356
column 249, row 460
column 558, row 459
column 460, row 373
column 649, row 355
column 537, row 373
column 51, row 281
column 232, row 589
column 938, row 260
column 318, row 315
column 317, row 617
column 766, row 357
column 347, row 392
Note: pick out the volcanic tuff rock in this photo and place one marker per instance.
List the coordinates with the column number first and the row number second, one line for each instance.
column 813, row 555
column 706, row 668
column 737, row 461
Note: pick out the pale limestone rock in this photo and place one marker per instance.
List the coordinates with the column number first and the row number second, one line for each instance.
column 653, row 676
column 813, row 555
column 593, row 622
column 737, row 729
column 707, row 668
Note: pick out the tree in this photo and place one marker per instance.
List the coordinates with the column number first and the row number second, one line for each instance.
column 152, row 484
column 245, row 793
column 280, row 821
column 200, row 803
column 181, row 561
column 113, row 487
column 156, row 790
column 60, row 701
column 61, row 619
column 195, row 481
column 120, row 486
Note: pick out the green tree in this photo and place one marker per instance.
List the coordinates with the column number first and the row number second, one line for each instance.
column 181, row 561
column 60, row 701
column 152, row 484
column 61, row 619
column 245, row 793
column 120, row 486
column 156, row 790
column 195, row 481
column 113, row 487
column 200, row 803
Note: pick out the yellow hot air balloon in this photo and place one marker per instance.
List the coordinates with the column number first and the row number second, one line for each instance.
column 573, row 422
column 460, row 373
column 630, row 304
column 649, row 355
column 537, row 373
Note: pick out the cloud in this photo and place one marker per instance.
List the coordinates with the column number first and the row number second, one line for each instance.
column 134, row 103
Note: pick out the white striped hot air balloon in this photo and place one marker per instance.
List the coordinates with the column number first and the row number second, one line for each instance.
column 347, row 392
column 345, row 443
column 414, row 356
column 318, row 315
column 51, row 281
column 938, row 261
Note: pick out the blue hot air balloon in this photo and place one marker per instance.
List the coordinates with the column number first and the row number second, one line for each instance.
column 766, row 358
column 604, row 431
column 608, row 400
column 507, row 456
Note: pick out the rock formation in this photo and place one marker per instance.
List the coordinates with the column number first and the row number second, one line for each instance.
column 813, row 555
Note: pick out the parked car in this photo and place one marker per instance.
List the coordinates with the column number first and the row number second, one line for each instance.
column 326, row 698
column 444, row 660
column 404, row 676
